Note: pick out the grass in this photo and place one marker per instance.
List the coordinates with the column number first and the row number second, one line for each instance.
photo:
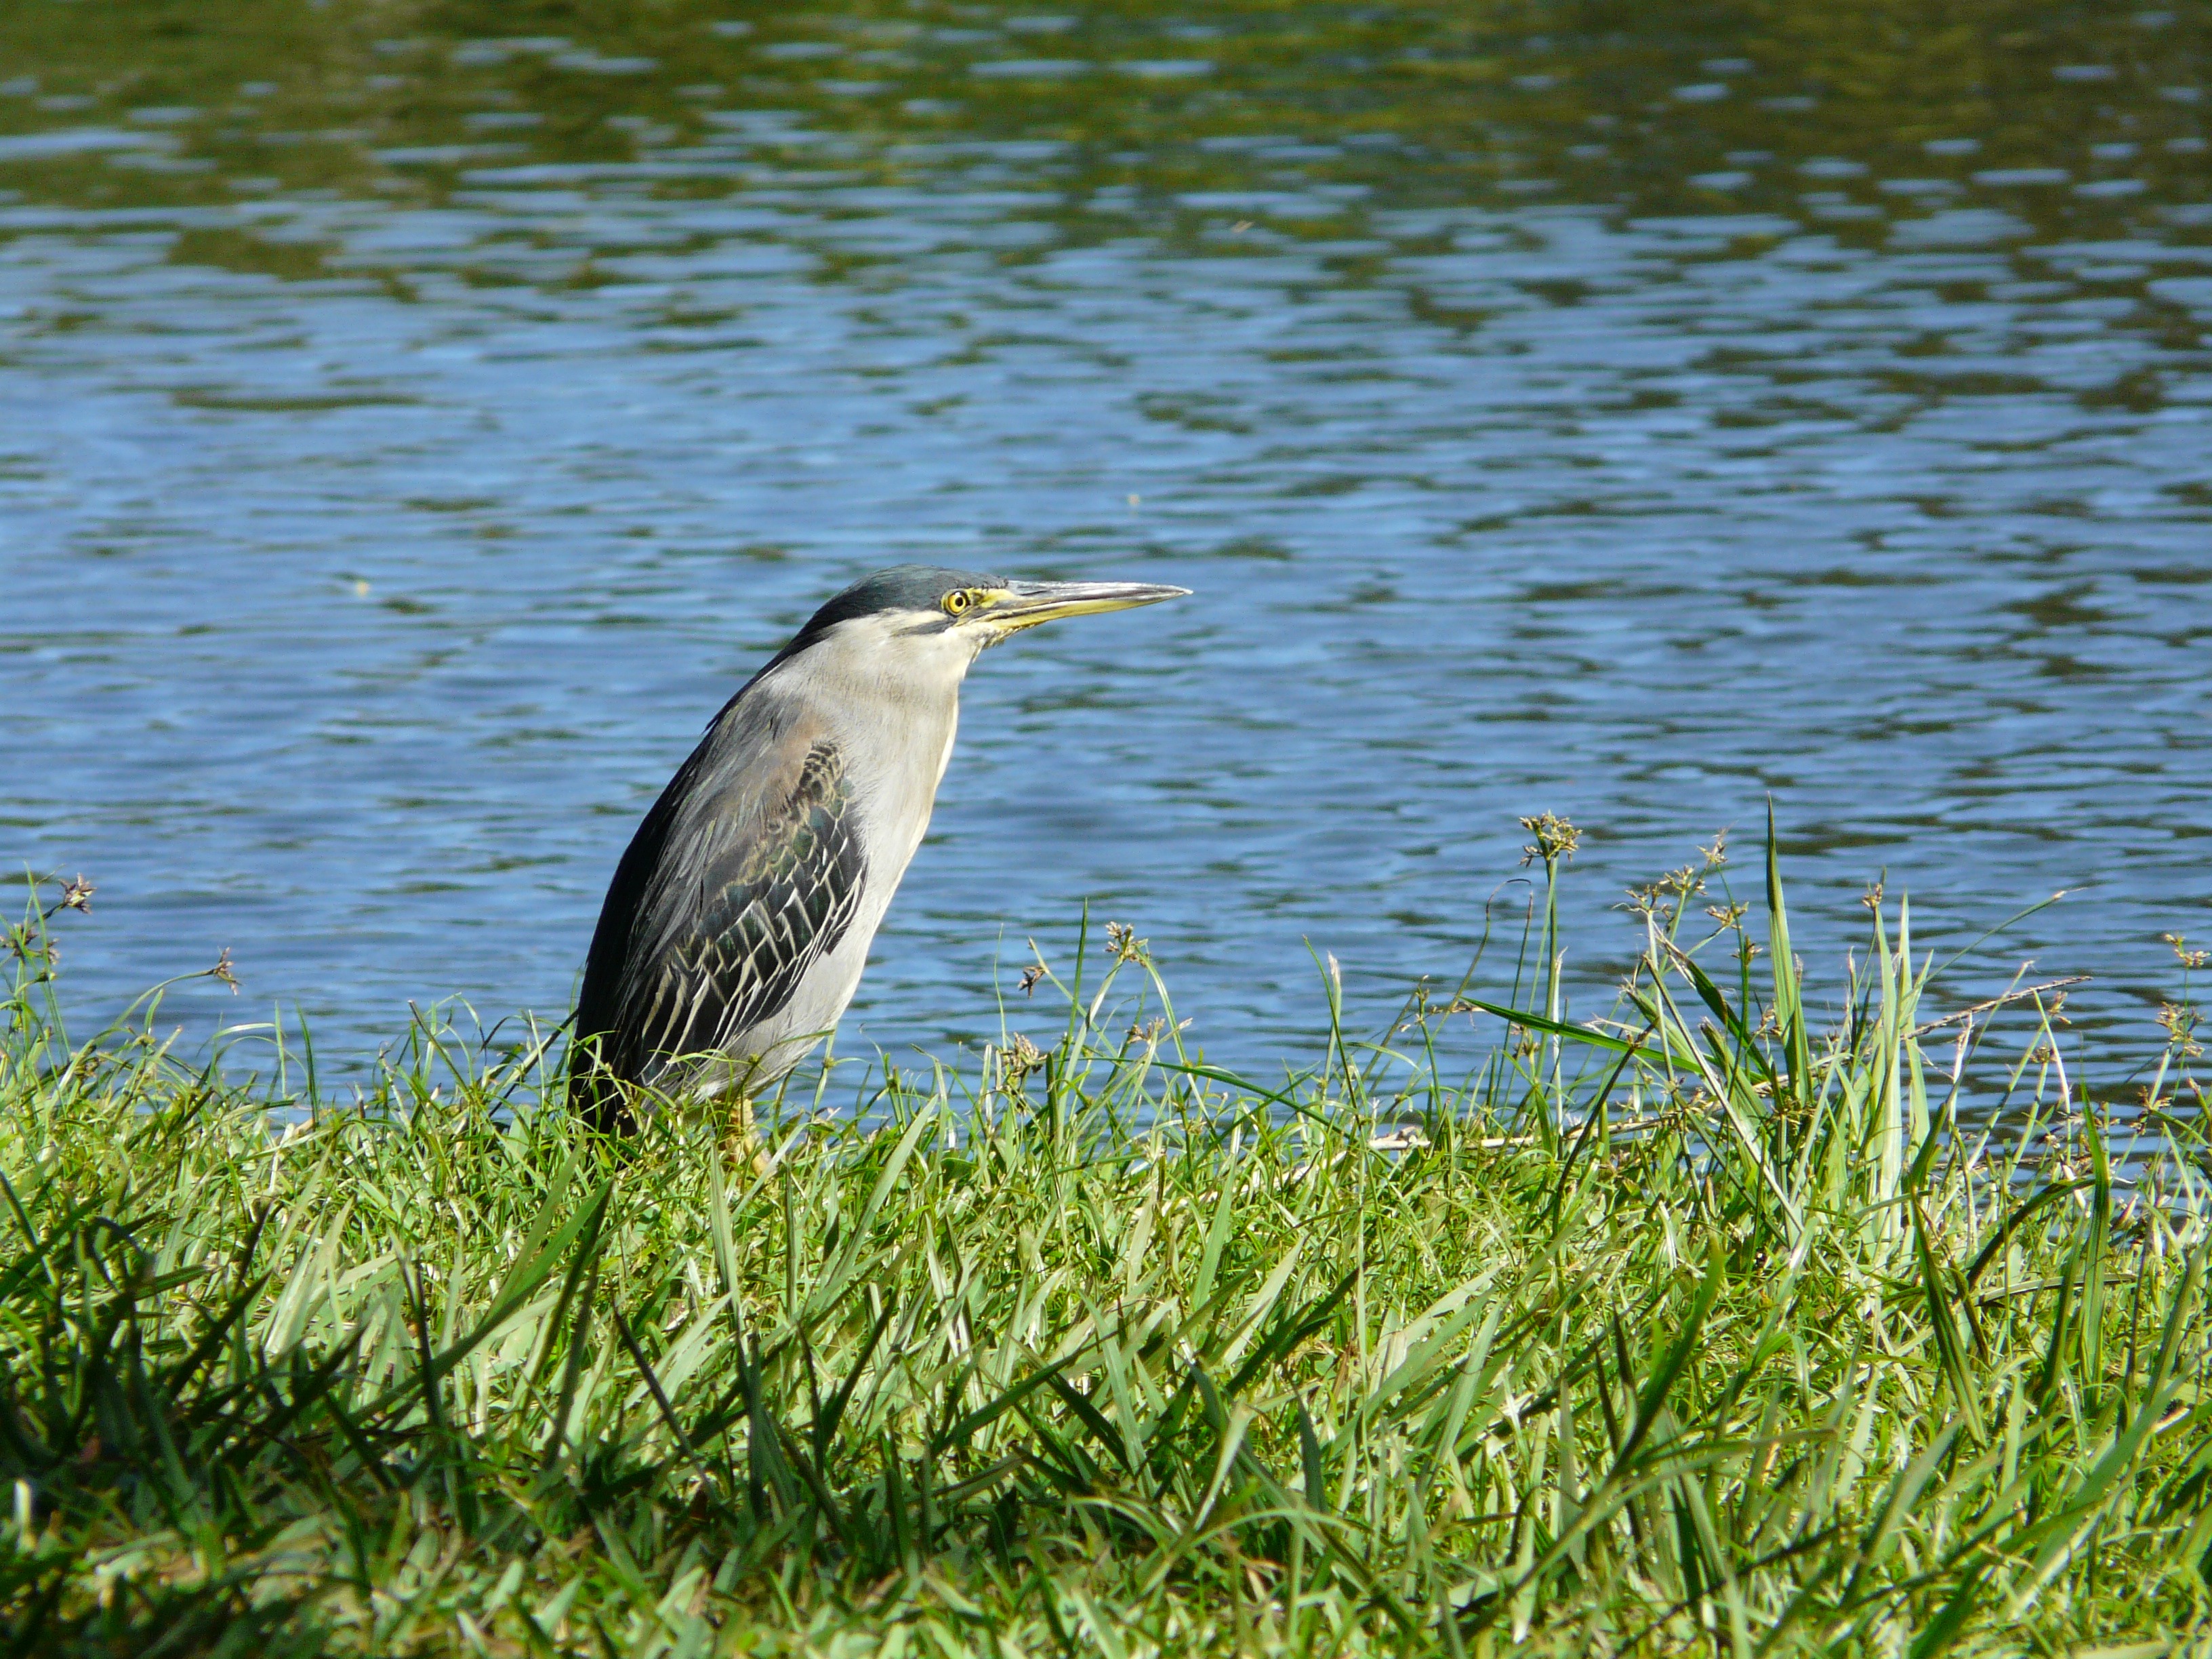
column 1701, row 1328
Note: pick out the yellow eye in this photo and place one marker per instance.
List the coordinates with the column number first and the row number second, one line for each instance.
column 958, row 601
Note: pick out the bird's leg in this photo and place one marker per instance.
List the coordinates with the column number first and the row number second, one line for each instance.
column 746, row 1146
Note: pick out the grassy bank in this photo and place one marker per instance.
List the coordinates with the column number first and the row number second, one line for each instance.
column 1709, row 1327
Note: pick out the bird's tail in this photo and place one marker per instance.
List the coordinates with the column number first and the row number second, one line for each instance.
column 596, row 1094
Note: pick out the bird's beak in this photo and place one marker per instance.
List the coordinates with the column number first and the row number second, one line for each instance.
column 1024, row 605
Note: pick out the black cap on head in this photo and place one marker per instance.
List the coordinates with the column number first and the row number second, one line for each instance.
column 901, row 587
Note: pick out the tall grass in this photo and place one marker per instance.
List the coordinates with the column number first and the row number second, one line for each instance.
column 1698, row 1328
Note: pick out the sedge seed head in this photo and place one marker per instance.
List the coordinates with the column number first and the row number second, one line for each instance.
column 1556, row 838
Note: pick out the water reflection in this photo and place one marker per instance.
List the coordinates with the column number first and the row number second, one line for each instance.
column 419, row 423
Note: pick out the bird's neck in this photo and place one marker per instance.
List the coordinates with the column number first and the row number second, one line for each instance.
column 893, row 704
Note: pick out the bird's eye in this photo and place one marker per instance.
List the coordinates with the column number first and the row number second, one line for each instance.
column 958, row 601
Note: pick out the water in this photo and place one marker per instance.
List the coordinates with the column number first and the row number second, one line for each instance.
column 410, row 434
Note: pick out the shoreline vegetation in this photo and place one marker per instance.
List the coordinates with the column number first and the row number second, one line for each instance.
column 1696, row 1329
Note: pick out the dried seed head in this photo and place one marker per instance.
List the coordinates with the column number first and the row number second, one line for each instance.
column 1121, row 939
column 2180, row 1022
column 1556, row 838
column 1019, row 1058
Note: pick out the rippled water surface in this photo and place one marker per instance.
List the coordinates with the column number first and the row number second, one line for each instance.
column 416, row 418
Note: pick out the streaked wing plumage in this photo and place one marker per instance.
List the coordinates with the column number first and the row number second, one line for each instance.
column 734, row 887
column 768, row 906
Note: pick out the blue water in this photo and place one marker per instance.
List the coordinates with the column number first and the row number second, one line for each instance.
column 405, row 445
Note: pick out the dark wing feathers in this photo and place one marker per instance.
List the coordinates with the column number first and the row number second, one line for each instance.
column 736, row 883
column 768, row 905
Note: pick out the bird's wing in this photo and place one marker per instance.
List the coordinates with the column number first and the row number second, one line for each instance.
column 736, row 885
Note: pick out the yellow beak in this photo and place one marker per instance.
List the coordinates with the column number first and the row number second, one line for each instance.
column 1024, row 605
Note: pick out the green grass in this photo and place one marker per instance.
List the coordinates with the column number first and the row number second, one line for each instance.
column 1702, row 1329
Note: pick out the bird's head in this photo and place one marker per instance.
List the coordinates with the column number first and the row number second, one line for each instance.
column 952, row 615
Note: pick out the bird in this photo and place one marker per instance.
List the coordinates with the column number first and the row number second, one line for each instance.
column 739, row 921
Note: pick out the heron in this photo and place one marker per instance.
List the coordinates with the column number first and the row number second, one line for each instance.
column 739, row 919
